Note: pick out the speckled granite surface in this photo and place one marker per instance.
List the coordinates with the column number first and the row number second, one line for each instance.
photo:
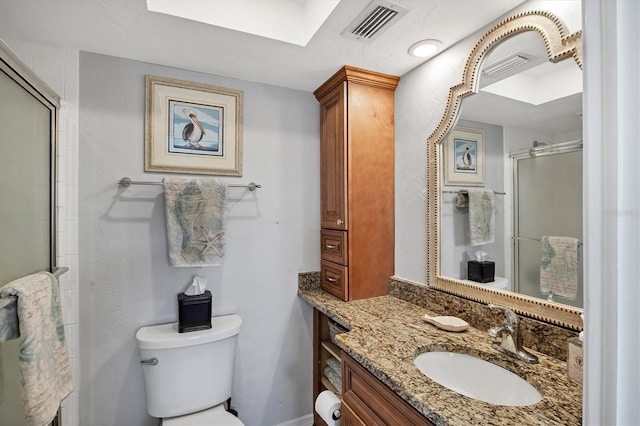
column 386, row 335
column 540, row 336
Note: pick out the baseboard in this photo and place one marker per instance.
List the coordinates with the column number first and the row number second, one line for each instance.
column 300, row 421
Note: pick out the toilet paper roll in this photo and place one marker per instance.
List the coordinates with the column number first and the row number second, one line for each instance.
column 328, row 407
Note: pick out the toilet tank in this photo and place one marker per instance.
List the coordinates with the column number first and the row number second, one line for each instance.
column 194, row 369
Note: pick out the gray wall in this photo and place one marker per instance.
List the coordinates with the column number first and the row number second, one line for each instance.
column 125, row 280
column 455, row 221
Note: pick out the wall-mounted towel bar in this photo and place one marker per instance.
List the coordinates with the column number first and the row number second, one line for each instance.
column 127, row 182
column 534, row 239
column 462, row 191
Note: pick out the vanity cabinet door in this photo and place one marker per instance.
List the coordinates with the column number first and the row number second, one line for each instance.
column 349, row 418
column 372, row 401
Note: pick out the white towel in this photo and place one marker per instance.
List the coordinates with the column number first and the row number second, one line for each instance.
column 481, row 216
column 196, row 215
column 44, row 362
column 559, row 266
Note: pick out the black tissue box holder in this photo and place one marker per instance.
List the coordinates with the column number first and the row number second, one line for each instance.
column 194, row 312
column 481, row 271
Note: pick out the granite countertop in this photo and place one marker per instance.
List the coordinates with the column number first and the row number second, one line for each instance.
column 387, row 333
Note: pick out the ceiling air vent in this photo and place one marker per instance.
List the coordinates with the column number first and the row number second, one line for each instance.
column 374, row 20
column 505, row 65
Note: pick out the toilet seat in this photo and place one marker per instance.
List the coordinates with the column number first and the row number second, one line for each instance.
column 216, row 416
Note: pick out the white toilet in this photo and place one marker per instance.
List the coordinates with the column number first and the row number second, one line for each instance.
column 188, row 376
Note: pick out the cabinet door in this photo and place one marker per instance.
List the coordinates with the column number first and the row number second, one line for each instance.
column 333, row 157
column 373, row 402
column 349, row 418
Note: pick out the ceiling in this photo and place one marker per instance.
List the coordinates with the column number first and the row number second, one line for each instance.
column 125, row 28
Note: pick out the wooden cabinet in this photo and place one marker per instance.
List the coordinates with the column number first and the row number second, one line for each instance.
column 357, row 182
column 368, row 401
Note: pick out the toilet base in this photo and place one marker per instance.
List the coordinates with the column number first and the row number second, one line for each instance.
column 216, row 416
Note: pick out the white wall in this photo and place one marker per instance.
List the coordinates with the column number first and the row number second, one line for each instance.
column 58, row 67
column 126, row 281
column 612, row 213
column 420, row 101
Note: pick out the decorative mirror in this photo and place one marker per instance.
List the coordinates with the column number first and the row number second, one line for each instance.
column 471, row 153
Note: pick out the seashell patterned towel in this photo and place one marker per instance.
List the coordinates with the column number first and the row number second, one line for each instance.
column 196, row 213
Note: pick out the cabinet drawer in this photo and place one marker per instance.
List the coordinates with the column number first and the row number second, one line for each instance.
column 334, row 279
column 334, row 246
column 373, row 402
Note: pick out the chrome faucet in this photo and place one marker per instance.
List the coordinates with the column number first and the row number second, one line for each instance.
column 510, row 342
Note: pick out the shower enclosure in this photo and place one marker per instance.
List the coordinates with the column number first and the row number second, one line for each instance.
column 28, row 117
column 547, row 188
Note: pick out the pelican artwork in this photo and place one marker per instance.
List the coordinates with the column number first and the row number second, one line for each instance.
column 466, row 158
column 193, row 131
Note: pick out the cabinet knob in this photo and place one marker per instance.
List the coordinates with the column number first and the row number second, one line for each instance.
column 339, row 221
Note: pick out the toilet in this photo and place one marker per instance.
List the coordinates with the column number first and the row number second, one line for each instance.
column 188, row 376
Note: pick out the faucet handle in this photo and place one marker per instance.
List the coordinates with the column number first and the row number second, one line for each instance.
column 511, row 319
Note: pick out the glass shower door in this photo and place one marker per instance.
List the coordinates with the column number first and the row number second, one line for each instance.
column 547, row 202
column 27, row 126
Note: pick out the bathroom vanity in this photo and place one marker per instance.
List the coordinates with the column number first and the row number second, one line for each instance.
column 379, row 377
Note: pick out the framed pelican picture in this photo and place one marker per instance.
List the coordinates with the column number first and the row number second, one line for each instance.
column 464, row 157
column 192, row 128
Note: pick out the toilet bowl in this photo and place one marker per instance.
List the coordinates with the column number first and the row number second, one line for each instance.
column 188, row 376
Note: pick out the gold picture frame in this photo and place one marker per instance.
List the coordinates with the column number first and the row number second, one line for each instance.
column 192, row 128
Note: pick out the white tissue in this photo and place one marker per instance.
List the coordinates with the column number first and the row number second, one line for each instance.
column 198, row 286
column 328, row 407
column 581, row 334
column 481, row 256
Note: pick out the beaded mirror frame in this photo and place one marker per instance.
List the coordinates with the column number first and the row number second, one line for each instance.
column 559, row 46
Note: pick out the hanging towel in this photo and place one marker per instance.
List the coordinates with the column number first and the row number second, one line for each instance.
column 462, row 200
column 196, row 215
column 8, row 319
column 44, row 363
column 559, row 266
column 481, row 216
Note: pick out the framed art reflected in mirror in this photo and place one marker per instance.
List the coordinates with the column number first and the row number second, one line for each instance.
column 464, row 157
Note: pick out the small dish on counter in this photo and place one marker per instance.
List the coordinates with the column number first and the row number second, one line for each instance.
column 447, row 323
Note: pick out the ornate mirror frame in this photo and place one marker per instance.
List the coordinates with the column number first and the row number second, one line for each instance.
column 559, row 46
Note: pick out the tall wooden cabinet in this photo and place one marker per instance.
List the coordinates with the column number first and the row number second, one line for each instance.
column 357, row 182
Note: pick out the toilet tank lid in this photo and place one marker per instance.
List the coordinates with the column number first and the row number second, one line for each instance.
column 166, row 336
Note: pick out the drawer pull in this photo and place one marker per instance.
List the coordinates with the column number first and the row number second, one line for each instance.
column 331, row 280
column 330, row 247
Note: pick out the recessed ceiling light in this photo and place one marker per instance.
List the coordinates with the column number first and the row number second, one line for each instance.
column 425, row 48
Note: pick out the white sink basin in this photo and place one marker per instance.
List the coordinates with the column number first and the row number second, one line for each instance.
column 477, row 378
